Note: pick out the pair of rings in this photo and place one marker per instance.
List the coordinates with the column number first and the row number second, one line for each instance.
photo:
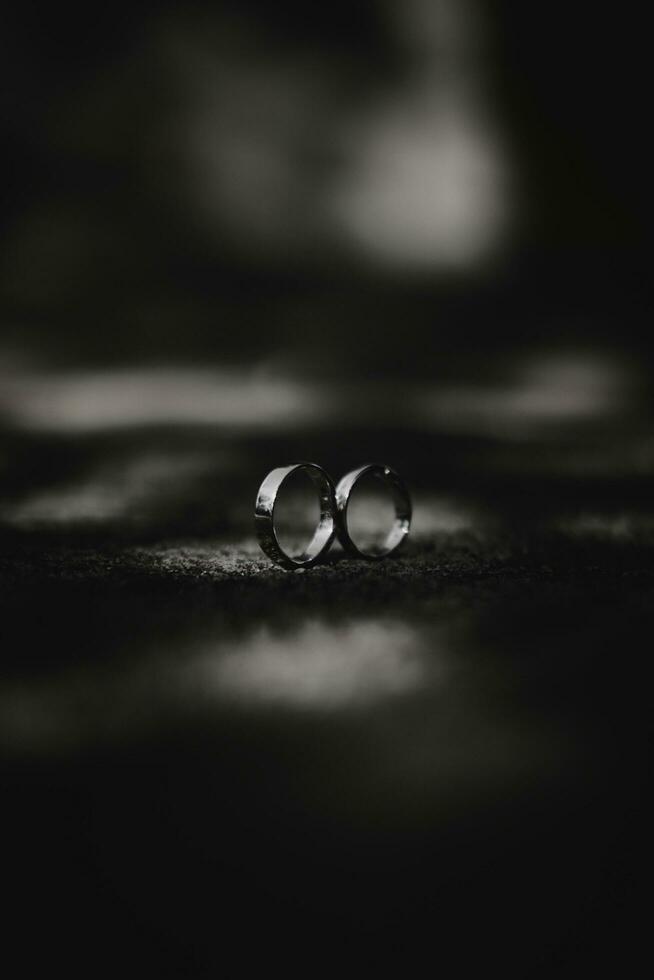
column 333, row 513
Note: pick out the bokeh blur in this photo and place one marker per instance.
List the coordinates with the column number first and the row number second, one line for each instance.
column 240, row 233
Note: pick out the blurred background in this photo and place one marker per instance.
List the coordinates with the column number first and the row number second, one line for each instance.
column 240, row 233
column 398, row 223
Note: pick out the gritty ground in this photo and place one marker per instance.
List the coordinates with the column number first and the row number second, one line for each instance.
column 201, row 751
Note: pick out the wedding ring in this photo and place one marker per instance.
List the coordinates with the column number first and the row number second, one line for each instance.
column 264, row 515
column 401, row 499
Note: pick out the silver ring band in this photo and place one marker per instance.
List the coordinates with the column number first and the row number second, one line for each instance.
column 264, row 515
column 403, row 510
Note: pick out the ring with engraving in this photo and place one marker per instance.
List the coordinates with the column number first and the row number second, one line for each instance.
column 264, row 516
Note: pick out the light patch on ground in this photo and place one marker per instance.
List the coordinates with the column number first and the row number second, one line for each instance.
column 88, row 401
column 120, row 490
column 544, row 391
column 319, row 666
column 316, row 667
column 436, row 515
column 618, row 527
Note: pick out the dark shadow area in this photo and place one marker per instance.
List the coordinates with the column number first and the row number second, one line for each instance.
column 241, row 234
